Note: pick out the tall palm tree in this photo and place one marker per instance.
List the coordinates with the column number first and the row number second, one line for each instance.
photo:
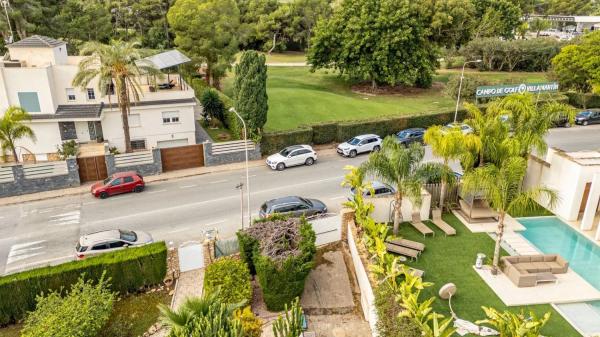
column 502, row 188
column 451, row 145
column 491, row 132
column 12, row 128
column 402, row 168
column 118, row 64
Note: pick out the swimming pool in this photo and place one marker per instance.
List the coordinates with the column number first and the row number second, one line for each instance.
column 552, row 236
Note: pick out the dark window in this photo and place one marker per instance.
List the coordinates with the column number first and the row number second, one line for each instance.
column 372, row 140
column 305, row 151
column 139, row 144
column 110, row 89
column 100, row 246
column 285, row 208
column 117, row 244
column 116, row 182
column 91, row 94
column 128, row 180
column 295, row 153
column 128, row 236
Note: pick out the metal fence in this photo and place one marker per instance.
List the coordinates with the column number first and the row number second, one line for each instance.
column 132, row 159
column 44, row 170
column 226, row 247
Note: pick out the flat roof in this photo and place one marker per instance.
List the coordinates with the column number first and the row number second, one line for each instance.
column 167, row 59
column 587, row 158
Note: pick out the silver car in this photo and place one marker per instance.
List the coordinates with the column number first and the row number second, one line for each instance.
column 110, row 240
column 292, row 156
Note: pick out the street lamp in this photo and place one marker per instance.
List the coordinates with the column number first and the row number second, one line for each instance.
column 462, row 76
column 232, row 109
column 240, row 187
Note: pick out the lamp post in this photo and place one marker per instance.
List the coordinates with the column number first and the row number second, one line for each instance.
column 462, row 76
column 240, row 187
column 232, row 109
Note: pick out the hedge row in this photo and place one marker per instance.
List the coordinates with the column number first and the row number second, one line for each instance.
column 576, row 99
column 128, row 269
column 325, row 133
column 231, row 277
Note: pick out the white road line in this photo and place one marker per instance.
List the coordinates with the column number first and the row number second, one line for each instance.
column 215, row 223
column 158, row 191
column 178, row 230
column 24, row 250
column 26, row 244
column 41, row 262
column 188, row 186
column 218, row 181
column 90, row 203
column 338, row 198
column 68, row 214
column 48, row 210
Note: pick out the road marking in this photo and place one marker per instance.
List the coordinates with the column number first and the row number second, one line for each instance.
column 338, row 198
column 26, row 244
column 178, row 230
column 158, row 191
column 68, row 218
column 188, row 186
column 215, row 223
column 24, row 251
column 218, row 181
column 90, row 203
column 37, row 263
column 47, row 210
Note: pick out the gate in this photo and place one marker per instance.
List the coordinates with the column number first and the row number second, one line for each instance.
column 92, row 168
column 182, row 157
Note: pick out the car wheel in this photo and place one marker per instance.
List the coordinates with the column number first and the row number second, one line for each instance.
column 138, row 189
column 376, row 148
column 567, row 125
column 103, row 195
column 352, row 154
column 585, row 123
column 309, row 161
column 280, row 167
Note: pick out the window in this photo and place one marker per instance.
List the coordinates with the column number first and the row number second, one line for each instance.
column 100, row 246
column 110, row 89
column 170, row 117
column 128, row 180
column 29, row 101
column 116, row 244
column 116, row 182
column 71, row 94
column 135, row 121
column 305, row 151
column 139, row 144
column 91, row 94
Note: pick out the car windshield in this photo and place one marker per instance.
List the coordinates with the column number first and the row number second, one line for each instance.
column 585, row 113
column 285, row 152
column 80, row 248
column 306, row 201
column 403, row 134
column 353, row 141
column 128, row 236
column 107, row 180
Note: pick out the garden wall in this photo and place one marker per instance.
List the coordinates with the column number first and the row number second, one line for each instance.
column 325, row 133
column 31, row 178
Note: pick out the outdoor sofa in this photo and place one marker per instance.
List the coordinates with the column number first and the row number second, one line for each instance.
column 529, row 270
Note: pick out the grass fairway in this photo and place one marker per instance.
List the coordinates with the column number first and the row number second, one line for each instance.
column 297, row 96
column 450, row 259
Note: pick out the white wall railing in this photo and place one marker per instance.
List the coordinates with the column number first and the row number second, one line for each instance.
column 44, row 170
column 132, row 159
column 232, row 146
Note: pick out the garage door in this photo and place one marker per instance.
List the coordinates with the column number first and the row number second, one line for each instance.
column 164, row 144
column 182, row 157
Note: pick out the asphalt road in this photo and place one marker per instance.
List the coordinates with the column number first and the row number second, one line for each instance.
column 45, row 232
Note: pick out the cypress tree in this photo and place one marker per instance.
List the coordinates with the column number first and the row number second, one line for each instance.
column 250, row 90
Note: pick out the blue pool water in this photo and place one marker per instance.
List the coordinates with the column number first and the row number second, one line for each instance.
column 552, row 236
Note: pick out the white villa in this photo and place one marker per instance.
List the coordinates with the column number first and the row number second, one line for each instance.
column 36, row 75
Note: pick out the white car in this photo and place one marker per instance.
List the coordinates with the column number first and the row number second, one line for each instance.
column 359, row 144
column 292, row 156
column 110, row 240
column 464, row 128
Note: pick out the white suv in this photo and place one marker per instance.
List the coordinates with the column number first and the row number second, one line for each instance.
column 292, row 156
column 110, row 240
column 359, row 144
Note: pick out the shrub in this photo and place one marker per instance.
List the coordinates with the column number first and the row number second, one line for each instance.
column 275, row 141
column 67, row 149
column 389, row 323
column 248, row 246
column 82, row 312
column 231, row 277
column 212, row 104
column 251, row 324
column 469, row 86
column 577, row 99
column 129, row 269
column 381, row 127
column 324, row 133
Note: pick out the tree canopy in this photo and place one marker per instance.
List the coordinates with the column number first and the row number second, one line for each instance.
column 250, row 90
column 577, row 66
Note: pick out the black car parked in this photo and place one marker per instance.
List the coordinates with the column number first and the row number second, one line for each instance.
column 409, row 136
column 562, row 122
column 293, row 206
column 587, row 117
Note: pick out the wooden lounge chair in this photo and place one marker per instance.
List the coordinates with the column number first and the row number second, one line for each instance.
column 414, row 254
column 420, row 226
column 441, row 224
column 408, row 244
column 416, row 272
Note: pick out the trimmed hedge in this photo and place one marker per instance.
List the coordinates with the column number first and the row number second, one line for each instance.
column 576, row 99
column 325, row 133
column 232, row 278
column 128, row 269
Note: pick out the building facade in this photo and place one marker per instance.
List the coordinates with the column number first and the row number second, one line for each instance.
column 38, row 75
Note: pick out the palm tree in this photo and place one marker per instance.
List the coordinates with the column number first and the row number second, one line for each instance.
column 402, row 168
column 510, row 324
column 119, row 64
column 491, row 132
column 502, row 188
column 12, row 128
column 451, row 145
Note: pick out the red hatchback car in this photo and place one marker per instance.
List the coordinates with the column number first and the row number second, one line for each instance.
column 118, row 183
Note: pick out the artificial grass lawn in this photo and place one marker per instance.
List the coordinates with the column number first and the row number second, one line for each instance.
column 298, row 96
column 131, row 316
column 450, row 259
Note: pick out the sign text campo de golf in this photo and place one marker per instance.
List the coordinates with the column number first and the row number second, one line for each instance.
column 504, row 90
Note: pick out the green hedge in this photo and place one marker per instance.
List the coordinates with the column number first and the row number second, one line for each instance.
column 576, row 99
column 324, row 133
column 128, row 269
column 232, row 277
column 275, row 141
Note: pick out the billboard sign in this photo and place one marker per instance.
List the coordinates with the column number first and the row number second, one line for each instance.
column 505, row 90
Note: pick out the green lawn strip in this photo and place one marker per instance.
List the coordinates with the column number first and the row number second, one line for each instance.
column 219, row 134
column 450, row 259
column 285, row 57
column 132, row 316
column 298, row 96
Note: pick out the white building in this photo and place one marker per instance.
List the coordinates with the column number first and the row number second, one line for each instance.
column 576, row 178
column 579, row 23
column 37, row 76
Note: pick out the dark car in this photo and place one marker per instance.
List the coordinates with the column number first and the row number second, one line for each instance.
column 409, row 136
column 587, row 117
column 293, row 206
column 562, row 122
column 122, row 182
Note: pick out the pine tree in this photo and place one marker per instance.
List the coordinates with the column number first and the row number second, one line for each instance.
column 250, row 90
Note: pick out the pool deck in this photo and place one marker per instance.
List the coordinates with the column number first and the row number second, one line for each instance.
column 510, row 224
column 590, row 234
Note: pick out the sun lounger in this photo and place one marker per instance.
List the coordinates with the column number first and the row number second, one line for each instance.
column 420, row 226
column 441, row 224
column 414, row 254
column 416, row 272
column 408, row 244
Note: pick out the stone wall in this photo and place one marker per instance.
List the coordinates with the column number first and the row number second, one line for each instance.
column 22, row 185
column 211, row 159
column 147, row 169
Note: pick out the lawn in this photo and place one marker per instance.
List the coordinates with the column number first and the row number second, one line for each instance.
column 131, row 317
column 298, row 96
column 450, row 259
column 286, row 57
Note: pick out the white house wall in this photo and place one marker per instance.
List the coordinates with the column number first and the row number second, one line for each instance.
column 48, row 138
column 38, row 80
column 151, row 126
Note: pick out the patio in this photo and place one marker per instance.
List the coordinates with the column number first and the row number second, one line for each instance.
column 490, row 226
